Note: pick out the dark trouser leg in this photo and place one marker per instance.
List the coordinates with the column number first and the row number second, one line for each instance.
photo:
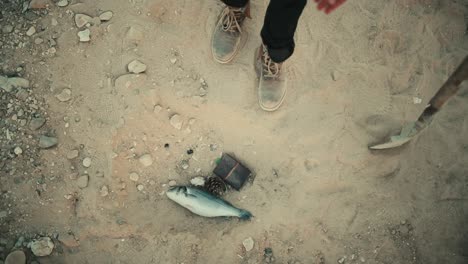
column 236, row 3
column 279, row 27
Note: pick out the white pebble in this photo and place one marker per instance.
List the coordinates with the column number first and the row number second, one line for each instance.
column 18, row 151
column 87, row 162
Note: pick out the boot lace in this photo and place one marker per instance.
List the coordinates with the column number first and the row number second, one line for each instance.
column 232, row 19
column 271, row 69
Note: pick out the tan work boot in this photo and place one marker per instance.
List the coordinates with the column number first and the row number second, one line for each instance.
column 228, row 36
column 272, row 82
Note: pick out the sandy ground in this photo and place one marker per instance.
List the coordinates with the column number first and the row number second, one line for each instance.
column 318, row 196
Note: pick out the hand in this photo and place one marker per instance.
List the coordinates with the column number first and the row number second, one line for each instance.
column 328, row 5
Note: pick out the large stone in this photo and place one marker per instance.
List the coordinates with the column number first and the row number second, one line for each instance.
column 46, row 142
column 42, row 247
column 16, row 257
column 84, row 35
column 81, row 20
column 37, row 123
column 8, row 84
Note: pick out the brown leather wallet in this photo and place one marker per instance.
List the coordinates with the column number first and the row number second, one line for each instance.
column 232, row 171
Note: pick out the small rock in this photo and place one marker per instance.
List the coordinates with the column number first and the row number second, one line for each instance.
column 173, row 60
column 134, row 176
column 68, row 240
column 42, row 247
column 362, row 259
column 16, row 257
column 146, row 160
column 104, row 191
column 417, row 100
column 198, row 181
column 54, row 22
column 176, row 121
column 72, row 154
column 157, row 109
column 3, row 214
column 62, row 3
column 248, row 244
column 136, row 67
column 38, row 41
column 7, row 29
column 31, row 31
column 106, row 16
column 37, row 123
column 341, row 260
column 82, row 181
column 81, row 20
column 65, row 95
column 172, row 183
column 18, row 151
column 46, row 142
column 335, row 75
column 87, row 162
column 100, row 174
column 84, row 35
column 140, row 187
column 184, row 165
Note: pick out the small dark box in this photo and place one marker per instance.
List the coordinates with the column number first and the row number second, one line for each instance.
column 232, row 171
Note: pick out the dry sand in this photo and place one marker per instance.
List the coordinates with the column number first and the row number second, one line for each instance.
column 318, row 192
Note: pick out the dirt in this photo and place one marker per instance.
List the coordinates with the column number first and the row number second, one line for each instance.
column 318, row 194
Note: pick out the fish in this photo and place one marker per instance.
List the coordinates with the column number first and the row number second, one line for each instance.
column 205, row 204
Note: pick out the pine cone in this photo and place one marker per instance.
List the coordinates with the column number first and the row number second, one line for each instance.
column 215, row 185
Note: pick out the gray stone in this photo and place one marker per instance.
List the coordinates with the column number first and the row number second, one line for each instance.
column 87, row 162
column 7, row 29
column 81, row 20
column 8, row 84
column 172, row 183
column 18, row 151
column 62, row 3
column 72, row 154
column 53, row 22
column 184, row 165
column 3, row 214
column 64, row 95
column 31, row 31
column 146, row 160
column 136, row 67
column 16, row 257
column 106, row 16
column 134, row 176
column 82, row 181
column 104, row 191
column 140, row 187
column 46, row 142
column 176, row 121
column 248, row 244
column 84, row 35
column 42, row 247
column 37, row 123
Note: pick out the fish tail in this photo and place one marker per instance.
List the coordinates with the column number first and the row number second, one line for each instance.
column 245, row 215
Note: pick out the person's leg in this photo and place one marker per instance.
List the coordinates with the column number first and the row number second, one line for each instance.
column 277, row 35
column 235, row 3
column 280, row 24
column 228, row 35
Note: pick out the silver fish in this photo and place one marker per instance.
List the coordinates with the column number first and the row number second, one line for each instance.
column 202, row 203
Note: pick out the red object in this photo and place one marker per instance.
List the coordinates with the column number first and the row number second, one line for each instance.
column 328, row 5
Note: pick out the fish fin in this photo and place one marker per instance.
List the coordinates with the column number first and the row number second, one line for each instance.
column 245, row 215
